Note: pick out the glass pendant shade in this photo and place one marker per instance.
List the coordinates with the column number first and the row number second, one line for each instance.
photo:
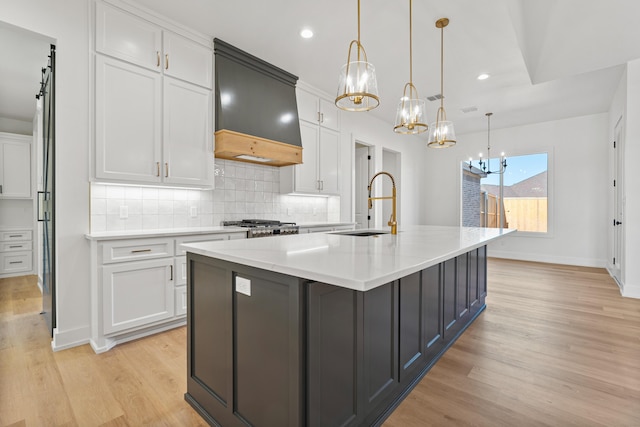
column 442, row 134
column 357, row 87
column 411, row 113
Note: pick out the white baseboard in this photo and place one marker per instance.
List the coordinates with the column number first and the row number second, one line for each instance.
column 549, row 259
column 69, row 339
column 630, row 291
column 104, row 344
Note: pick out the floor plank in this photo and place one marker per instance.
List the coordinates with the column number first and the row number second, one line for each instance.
column 556, row 346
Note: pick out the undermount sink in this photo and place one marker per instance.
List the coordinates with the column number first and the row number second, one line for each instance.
column 363, row 233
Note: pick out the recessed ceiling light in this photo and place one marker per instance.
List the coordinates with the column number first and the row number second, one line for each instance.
column 306, row 33
column 483, row 76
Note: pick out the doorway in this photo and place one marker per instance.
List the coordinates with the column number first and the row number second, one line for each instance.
column 364, row 217
column 29, row 59
column 618, row 201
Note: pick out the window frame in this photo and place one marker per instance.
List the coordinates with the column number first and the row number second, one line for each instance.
column 550, row 233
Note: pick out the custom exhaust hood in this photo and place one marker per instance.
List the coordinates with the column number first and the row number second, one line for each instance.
column 256, row 110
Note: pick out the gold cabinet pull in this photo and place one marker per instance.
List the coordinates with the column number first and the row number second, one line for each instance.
column 157, row 168
column 138, row 251
column 166, row 170
column 157, row 58
column 166, row 61
column 171, row 276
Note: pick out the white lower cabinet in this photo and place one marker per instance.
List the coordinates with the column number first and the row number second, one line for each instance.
column 137, row 293
column 139, row 285
column 16, row 252
column 181, row 300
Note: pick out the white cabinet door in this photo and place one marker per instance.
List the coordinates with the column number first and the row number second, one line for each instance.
column 329, row 115
column 128, row 37
column 307, row 106
column 306, row 174
column 135, row 294
column 15, row 169
column 187, row 60
column 188, row 134
column 128, row 122
column 329, row 159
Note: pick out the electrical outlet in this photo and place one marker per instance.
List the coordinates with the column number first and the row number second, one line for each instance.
column 243, row 286
column 193, row 212
column 124, row 212
column 288, row 211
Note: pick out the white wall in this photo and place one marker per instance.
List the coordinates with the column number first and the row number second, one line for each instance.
column 578, row 191
column 66, row 22
column 631, row 178
column 411, row 151
column 15, row 126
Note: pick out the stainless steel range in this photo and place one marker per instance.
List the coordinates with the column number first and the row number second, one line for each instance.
column 264, row 227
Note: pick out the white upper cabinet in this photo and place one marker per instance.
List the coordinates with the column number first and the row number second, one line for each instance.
column 128, row 122
column 128, row 37
column 15, row 166
column 317, row 110
column 318, row 173
column 187, row 60
column 153, row 102
column 188, row 133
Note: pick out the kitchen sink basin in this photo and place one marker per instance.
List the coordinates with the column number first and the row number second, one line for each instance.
column 362, row 233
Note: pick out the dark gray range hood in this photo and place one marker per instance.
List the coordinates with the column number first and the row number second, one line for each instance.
column 256, row 109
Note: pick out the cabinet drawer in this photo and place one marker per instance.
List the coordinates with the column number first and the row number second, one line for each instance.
column 13, row 236
column 181, row 300
column 14, row 262
column 129, row 250
column 206, row 238
column 15, row 246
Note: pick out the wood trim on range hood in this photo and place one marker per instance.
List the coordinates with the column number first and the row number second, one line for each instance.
column 256, row 113
column 230, row 145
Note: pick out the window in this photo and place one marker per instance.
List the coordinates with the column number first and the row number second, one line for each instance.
column 525, row 195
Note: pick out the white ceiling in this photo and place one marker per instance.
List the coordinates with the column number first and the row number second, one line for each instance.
column 548, row 59
column 23, row 56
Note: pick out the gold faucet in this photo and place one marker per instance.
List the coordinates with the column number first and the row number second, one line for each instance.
column 392, row 221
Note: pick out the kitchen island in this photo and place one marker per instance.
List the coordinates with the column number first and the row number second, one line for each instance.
column 326, row 329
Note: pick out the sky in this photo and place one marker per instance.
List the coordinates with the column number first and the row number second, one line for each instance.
column 518, row 168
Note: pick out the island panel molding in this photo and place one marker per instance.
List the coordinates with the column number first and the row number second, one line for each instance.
column 324, row 353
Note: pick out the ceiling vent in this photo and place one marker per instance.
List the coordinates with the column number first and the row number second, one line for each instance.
column 470, row 109
column 434, row 97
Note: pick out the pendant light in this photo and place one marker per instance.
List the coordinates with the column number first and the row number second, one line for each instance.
column 357, row 88
column 486, row 166
column 442, row 134
column 410, row 116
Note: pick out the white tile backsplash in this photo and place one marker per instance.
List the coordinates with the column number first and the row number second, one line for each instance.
column 242, row 191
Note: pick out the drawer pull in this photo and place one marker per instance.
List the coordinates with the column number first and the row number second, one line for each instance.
column 15, row 262
column 15, row 246
column 15, row 235
column 138, row 251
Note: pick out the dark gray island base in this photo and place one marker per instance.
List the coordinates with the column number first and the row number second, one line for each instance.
column 302, row 353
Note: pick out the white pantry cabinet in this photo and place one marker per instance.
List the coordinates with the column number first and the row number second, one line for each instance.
column 15, row 166
column 319, row 130
column 153, row 103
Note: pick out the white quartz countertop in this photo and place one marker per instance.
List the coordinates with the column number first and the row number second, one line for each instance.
column 359, row 263
column 324, row 224
column 168, row 232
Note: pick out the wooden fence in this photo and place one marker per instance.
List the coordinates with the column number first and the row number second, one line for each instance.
column 523, row 213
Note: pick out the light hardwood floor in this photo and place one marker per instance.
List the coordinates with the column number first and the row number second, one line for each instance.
column 557, row 346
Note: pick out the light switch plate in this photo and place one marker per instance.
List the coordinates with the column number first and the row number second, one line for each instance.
column 124, row 212
column 193, row 212
column 243, row 286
